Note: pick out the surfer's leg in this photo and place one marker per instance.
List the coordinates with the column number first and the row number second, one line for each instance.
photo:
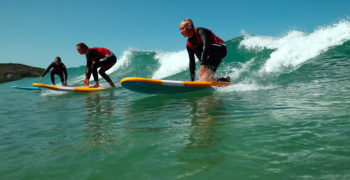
column 60, row 74
column 216, row 52
column 105, row 65
column 52, row 75
column 226, row 79
column 107, row 62
column 94, row 70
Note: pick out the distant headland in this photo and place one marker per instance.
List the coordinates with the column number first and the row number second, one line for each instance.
column 12, row 72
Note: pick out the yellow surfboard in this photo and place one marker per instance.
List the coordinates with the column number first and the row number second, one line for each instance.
column 67, row 88
column 157, row 86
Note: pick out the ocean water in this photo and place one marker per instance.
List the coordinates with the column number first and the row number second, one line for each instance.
column 285, row 117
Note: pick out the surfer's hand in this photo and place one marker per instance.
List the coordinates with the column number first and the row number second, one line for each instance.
column 205, row 74
column 201, row 71
column 86, row 81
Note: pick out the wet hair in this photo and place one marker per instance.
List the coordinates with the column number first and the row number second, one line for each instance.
column 58, row 58
column 83, row 45
column 188, row 22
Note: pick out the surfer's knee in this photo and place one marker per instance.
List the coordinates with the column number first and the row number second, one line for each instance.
column 102, row 71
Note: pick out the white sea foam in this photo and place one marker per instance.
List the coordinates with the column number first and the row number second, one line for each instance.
column 295, row 48
column 243, row 87
column 236, row 72
column 124, row 60
column 170, row 63
column 47, row 92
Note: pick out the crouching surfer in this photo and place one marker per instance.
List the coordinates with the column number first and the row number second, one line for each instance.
column 56, row 67
column 209, row 49
column 97, row 57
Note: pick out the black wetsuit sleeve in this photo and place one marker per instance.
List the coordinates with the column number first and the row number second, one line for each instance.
column 65, row 72
column 48, row 69
column 192, row 63
column 90, row 54
column 204, row 35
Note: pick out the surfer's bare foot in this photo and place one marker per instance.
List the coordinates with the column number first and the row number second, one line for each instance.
column 112, row 84
column 96, row 85
column 226, row 79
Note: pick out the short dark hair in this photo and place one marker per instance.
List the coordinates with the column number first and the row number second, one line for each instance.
column 83, row 45
column 58, row 58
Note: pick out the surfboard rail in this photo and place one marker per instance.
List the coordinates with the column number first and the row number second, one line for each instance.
column 157, row 86
column 69, row 88
column 26, row 88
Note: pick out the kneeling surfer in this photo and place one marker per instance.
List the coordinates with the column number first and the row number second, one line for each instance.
column 209, row 49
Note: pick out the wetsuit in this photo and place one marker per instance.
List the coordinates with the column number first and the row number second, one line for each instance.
column 56, row 69
column 208, row 48
column 99, row 57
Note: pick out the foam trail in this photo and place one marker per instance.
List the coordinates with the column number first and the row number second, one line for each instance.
column 297, row 47
column 48, row 92
column 171, row 63
column 241, row 87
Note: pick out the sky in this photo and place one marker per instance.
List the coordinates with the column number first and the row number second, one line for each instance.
column 34, row 32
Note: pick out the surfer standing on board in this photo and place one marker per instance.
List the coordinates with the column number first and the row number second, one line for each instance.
column 57, row 68
column 97, row 57
column 208, row 48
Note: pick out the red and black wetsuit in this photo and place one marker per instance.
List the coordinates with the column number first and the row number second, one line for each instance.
column 99, row 57
column 58, row 69
column 208, row 48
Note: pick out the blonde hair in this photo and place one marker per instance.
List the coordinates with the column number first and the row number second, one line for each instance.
column 188, row 22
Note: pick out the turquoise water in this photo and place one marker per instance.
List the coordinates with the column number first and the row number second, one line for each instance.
column 286, row 117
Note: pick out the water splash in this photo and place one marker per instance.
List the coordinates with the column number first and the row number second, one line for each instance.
column 295, row 48
column 245, row 86
column 123, row 61
column 170, row 63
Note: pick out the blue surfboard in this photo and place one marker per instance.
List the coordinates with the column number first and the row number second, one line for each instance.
column 27, row 88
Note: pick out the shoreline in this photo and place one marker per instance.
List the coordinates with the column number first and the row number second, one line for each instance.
column 14, row 71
